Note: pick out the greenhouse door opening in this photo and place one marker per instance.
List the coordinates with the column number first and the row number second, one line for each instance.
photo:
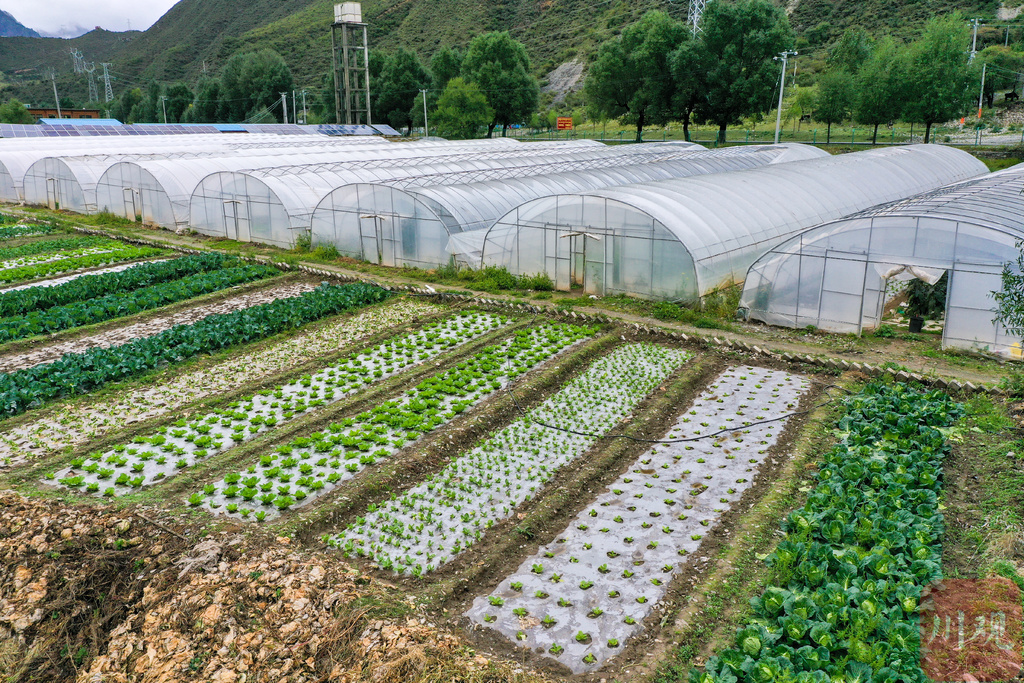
column 236, row 220
column 52, row 193
column 377, row 238
column 133, row 204
column 579, row 259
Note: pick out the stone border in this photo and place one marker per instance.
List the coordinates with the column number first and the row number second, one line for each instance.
column 700, row 339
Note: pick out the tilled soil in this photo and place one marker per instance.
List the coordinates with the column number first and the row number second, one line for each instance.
column 123, row 335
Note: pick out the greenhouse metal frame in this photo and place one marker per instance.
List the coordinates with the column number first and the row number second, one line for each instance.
column 836, row 276
column 682, row 239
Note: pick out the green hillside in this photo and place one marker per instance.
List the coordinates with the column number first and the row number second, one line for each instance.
column 195, row 33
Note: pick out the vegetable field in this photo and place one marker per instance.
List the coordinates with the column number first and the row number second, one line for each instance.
column 567, row 494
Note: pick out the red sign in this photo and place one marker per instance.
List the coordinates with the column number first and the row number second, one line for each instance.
column 564, row 123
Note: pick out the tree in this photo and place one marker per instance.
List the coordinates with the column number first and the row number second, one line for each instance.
column 632, row 77
column 880, row 87
column 445, row 65
column 851, row 50
column 740, row 77
column 802, row 104
column 500, row 67
column 937, row 72
column 207, row 104
column 1010, row 297
column 14, row 111
column 251, row 82
column 179, row 98
column 1003, row 66
column 122, row 107
column 400, row 81
column 461, row 110
column 834, row 99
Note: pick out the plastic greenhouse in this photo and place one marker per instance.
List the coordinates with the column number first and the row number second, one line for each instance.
column 422, row 221
column 836, row 276
column 682, row 239
column 272, row 204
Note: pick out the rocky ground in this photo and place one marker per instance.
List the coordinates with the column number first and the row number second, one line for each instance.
column 105, row 595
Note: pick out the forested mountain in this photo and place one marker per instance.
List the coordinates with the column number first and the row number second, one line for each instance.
column 202, row 34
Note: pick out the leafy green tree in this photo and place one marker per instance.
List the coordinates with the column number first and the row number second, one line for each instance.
column 122, row 107
column 938, row 77
column 631, row 78
column 500, row 67
column 14, row 111
column 207, row 103
column 739, row 42
column 147, row 109
column 179, row 97
column 851, row 50
column 688, row 85
column 834, row 100
column 461, row 110
column 251, row 82
column 445, row 65
column 400, row 82
column 1003, row 67
column 880, row 87
column 800, row 105
column 1010, row 297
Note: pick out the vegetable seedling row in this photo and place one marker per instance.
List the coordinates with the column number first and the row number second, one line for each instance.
column 311, row 466
column 151, row 459
column 607, row 570
column 446, row 514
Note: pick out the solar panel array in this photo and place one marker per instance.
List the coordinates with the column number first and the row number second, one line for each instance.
column 385, row 129
column 91, row 127
column 344, row 129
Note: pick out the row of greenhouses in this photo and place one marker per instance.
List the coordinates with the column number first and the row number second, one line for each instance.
column 670, row 220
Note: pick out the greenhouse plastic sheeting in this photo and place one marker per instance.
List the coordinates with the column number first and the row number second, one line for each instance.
column 417, row 221
column 682, row 239
column 237, row 204
column 835, row 276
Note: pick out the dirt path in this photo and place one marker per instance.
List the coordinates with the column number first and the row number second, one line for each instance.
column 123, row 335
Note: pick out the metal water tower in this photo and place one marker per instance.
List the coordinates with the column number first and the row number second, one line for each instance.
column 351, row 58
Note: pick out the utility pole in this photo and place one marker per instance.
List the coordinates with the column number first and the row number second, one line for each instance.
column 784, row 56
column 426, row 128
column 295, row 114
column 974, row 40
column 53, row 78
column 163, row 105
column 981, row 95
column 284, row 106
column 303, row 107
column 108, row 91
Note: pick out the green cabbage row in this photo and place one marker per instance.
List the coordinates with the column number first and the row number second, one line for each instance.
column 856, row 556
column 123, row 304
column 82, row 372
column 23, row 301
column 33, row 248
column 18, row 230
column 63, row 265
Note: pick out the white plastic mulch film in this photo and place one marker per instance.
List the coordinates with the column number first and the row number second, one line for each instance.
column 423, row 220
column 684, row 238
column 836, row 276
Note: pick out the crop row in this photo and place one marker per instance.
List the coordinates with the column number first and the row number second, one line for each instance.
column 55, row 245
column 86, row 371
column 46, row 257
column 64, row 264
column 93, row 286
column 150, row 459
column 313, row 465
column 14, row 231
column 854, row 559
column 70, row 424
column 435, row 521
column 123, row 304
column 581, row 597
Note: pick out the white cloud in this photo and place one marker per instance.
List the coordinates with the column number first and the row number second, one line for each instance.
column 71, row 17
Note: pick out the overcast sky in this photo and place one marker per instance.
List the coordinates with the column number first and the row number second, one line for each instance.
column 73, row 17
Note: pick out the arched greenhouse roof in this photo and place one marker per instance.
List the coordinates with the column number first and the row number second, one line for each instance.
column 723, row 222
column 839, row 276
